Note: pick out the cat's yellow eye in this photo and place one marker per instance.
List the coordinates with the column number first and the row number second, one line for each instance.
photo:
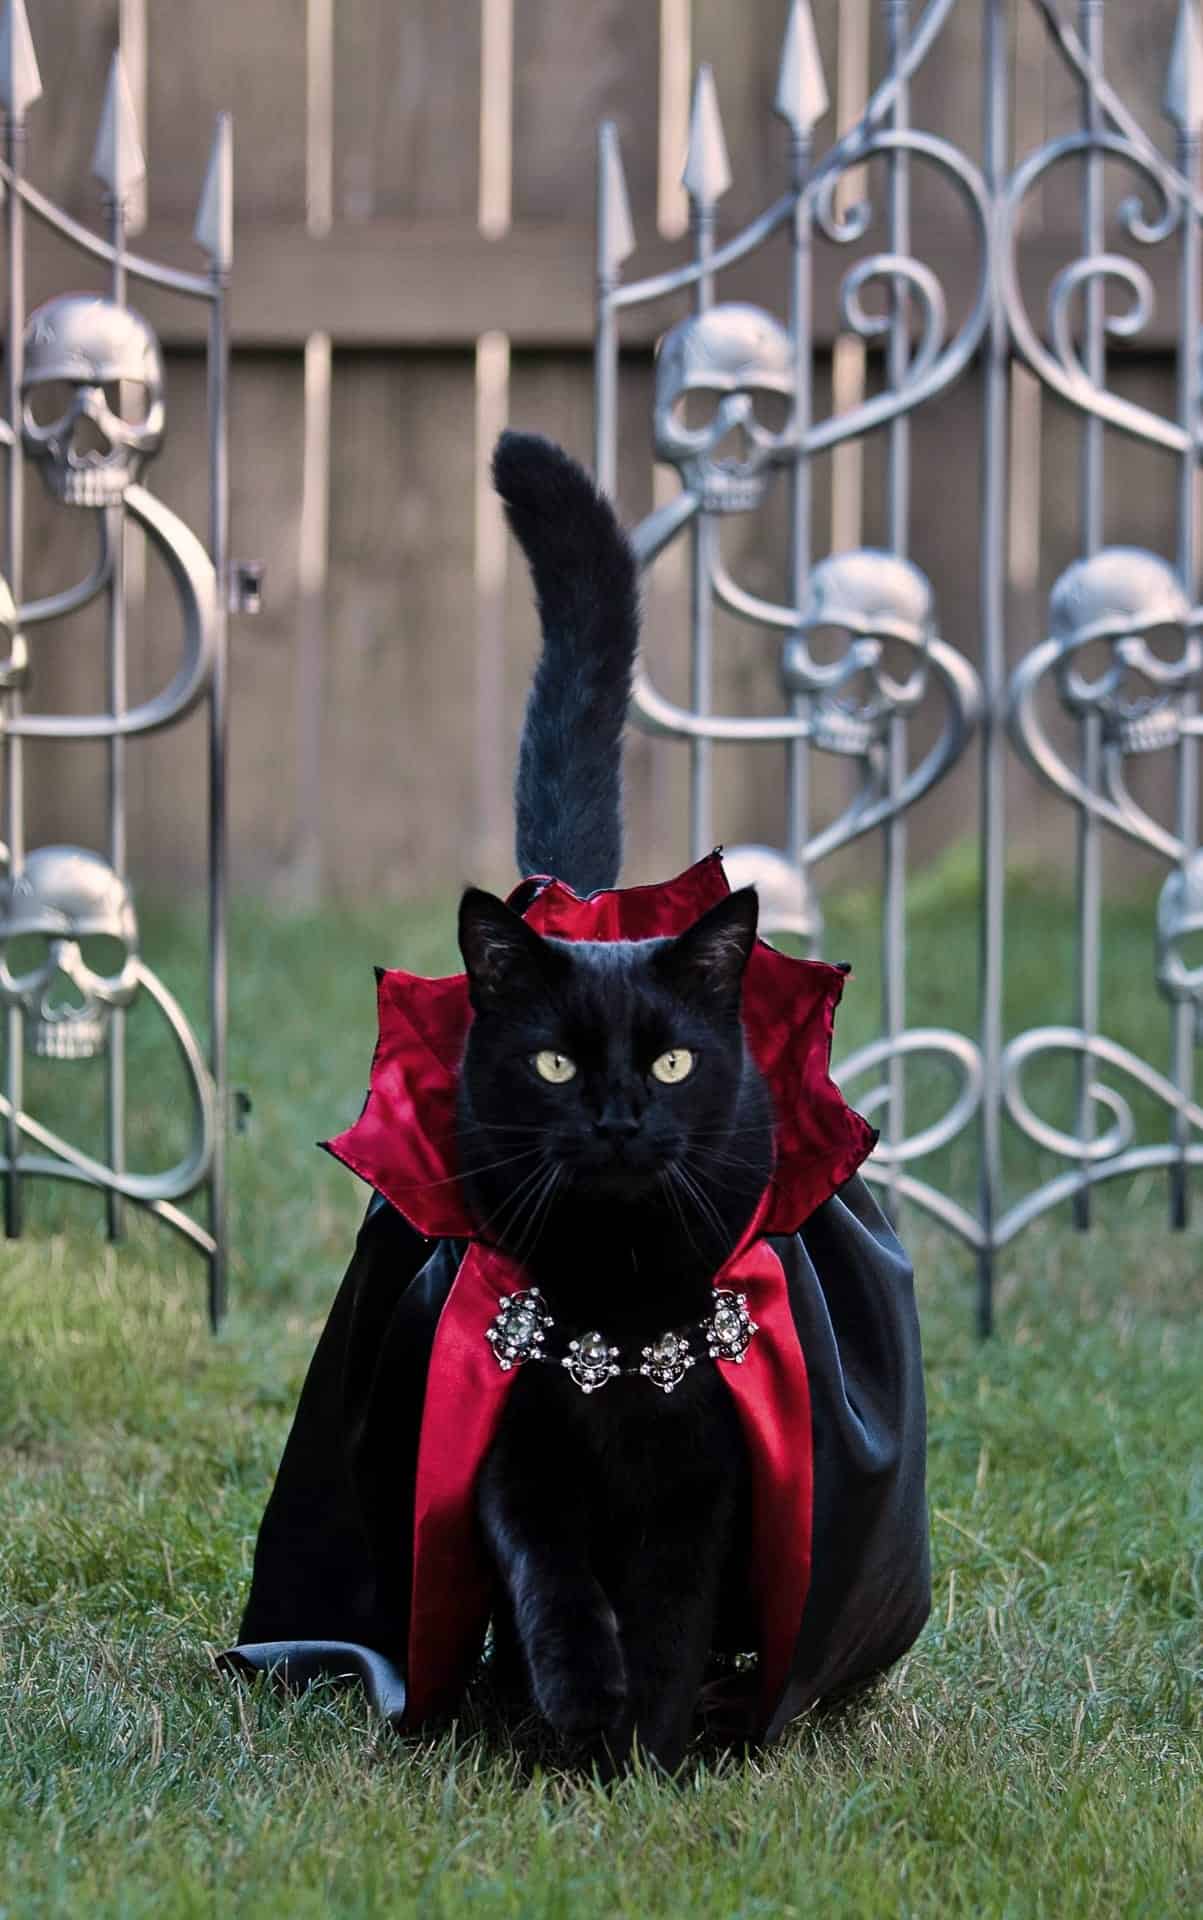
column 675, row 1065
column 554, row 1067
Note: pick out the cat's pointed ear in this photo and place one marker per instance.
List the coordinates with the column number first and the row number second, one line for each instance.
column 503, row 956
column 706, row 963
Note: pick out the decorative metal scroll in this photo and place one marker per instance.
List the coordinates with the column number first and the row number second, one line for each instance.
column 734, row 410
column 86, row 405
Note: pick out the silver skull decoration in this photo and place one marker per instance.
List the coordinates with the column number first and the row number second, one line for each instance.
column 787, row 900
column 64, row 904
column 731, row 372
column 876, row 599
column 1180, row 938
column 1117, row 598
column 92, row 398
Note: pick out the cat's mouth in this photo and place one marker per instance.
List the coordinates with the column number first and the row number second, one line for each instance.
column 618, row 1170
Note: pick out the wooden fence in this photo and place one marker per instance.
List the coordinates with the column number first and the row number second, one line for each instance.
column 413, row 267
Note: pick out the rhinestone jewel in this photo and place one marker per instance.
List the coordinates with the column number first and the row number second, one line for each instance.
column 730, row 1327
column 667, row 1360
column 520, row 1328
column 591, row 1361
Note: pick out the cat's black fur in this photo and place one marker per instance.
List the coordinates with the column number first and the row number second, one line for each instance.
column 616, row 1520
column 568, row 792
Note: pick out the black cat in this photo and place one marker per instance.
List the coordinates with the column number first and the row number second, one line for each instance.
column 594, row 1128
column 622, row 1070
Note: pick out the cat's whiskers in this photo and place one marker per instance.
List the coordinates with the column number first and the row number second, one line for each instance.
column 701, row 1203
column 711, row 1156
column 670, row 1194
column 515, row 1198
column 490, row 1166
column 539, row 1214
column 757, row 1127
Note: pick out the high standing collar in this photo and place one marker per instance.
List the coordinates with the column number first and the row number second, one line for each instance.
column 403, row 1142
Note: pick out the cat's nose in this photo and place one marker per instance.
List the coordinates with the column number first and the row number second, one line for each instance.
column 617, row 1126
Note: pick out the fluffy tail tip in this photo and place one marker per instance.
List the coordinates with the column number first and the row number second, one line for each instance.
column 531, row 472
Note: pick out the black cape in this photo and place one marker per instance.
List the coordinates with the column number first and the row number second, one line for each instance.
column 332, row 1576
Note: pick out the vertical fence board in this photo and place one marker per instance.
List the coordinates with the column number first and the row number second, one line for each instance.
column 169, row 822
column 249, row 60
column 573, row 67
column 406, row 107
column 743, row 45
column 74, row 40
column 266, row 451
column 399, row 711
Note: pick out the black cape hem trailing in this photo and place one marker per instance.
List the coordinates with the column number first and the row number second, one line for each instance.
column 332, row 1580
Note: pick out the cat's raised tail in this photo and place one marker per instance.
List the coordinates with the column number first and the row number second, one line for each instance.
column 568, row 789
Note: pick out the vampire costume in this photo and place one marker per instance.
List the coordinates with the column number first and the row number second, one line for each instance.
column 370, row 1558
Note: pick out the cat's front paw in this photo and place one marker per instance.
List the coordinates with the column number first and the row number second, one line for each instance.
column 585, row 1694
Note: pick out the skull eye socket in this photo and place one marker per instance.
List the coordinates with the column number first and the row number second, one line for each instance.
column 1164, row 643
column 48, row 401
column 26, row 953
column 1188, row 950
column 827, row 644
column 772, row 410
column 1092, row 663
column 897, row 661
column 128, row 399
column 103, row 953
column 695, row 409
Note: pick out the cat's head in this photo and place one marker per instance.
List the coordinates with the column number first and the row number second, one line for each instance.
column 621, row 1063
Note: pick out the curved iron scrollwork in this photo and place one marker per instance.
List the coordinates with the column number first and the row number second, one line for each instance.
column 1115, row 599
column 1060, row 366
column 884, row 662
column 86, row 405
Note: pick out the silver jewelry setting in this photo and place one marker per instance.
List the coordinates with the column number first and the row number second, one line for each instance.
column 667, row 1361
column 521, row 1326
column 519, row 1333
column 590, row 1362
column 730, row 1328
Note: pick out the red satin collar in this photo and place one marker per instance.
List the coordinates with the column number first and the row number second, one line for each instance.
column 403, row 1142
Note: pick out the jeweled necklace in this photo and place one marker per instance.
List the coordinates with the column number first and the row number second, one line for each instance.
column 520, row 1333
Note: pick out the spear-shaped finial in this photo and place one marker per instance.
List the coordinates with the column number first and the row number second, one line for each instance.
column 214, row 229
column 1183, row 97
column 615, row 230
column 801, row 96
column 117, row 158
column 20, row 81
column 707, row 173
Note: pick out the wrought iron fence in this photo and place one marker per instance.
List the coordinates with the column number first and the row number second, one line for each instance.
column 1122, row 662
column 85, row 403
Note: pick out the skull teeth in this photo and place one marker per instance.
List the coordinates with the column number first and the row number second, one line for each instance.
column 87, row 486
column 729, row 494
column 68, row 1039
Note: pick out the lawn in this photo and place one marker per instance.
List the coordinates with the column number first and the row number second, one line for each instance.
column 1040, row 1752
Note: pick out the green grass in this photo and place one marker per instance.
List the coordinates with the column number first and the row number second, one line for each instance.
column 1040, row 1752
